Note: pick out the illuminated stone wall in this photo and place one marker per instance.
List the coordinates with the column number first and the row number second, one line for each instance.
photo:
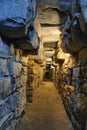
column 72, row 85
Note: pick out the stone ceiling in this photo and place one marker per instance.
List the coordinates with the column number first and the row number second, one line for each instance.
column 51, row 18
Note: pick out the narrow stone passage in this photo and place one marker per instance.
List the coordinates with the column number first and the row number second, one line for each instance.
column 46, row 112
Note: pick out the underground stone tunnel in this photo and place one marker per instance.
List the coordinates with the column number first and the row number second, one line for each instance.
column 43, row 65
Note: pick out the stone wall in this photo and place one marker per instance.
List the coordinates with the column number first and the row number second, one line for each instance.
column 71, row 79
column 72, row 85
column 35, row 75
column 15, row 80
column 12, row 86
column 19, row 77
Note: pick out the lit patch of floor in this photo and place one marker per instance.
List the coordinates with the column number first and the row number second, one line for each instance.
column 46, row 112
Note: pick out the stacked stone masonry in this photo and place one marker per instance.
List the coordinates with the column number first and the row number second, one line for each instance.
column 34, row 72
column 19, row 77
column 12, row 87
column 72, row 85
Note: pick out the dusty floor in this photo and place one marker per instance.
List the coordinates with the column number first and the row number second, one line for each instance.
column 46, row 112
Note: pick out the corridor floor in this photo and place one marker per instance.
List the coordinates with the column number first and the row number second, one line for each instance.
column 46, row 112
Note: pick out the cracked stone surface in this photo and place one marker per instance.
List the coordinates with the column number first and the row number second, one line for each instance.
column 46, row 112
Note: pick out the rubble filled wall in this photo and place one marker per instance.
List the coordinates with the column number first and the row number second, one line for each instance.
column 15, row 81
column 71, row 81
column 19, row 77
column 35, row 75
column 12, row 86
column 71, row 76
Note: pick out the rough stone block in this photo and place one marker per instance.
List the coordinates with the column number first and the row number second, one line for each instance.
column 19, row 111
column 14, row 101
column 4, row 49
column 6, row 121
column 76, row 71
column 5, row 87
column 2, row 113
column 5, row 107
column 14, row 125
column 20, row 15
column 22, row 96
column 12, row 50
column 24, row 59
column 18, row 55
column 25, row 70
column 24, row 80
column 15, row 68
column 18, row 82
column 9, row 105
column 4, row 71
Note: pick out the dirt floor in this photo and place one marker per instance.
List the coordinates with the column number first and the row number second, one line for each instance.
column 46, row 112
